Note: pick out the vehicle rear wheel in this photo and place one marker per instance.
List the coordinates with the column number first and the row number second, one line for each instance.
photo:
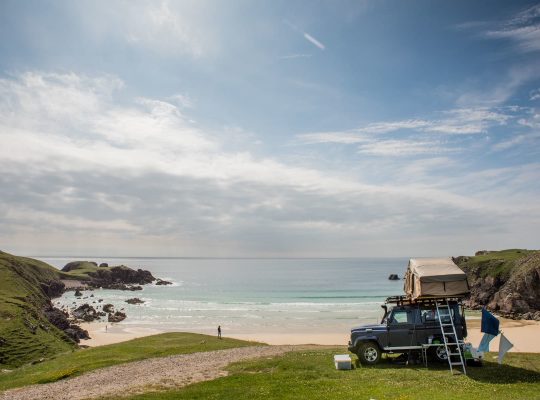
column 438, row 353
column 369, row 353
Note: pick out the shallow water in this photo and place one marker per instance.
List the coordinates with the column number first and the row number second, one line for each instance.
column 254, row 295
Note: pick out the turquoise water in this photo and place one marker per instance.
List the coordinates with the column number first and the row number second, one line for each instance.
column 254, row 295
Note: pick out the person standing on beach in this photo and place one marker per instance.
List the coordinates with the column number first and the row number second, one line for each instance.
column 219, row 331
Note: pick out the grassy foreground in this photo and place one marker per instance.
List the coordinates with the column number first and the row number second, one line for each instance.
column 79, row 361
column 311, row 375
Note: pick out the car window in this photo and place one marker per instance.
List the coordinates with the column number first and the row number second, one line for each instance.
column 430, row 315
column 401, row 317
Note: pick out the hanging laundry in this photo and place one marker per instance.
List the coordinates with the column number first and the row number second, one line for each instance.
column 484, row 343
column 504, row 346
column 490, row 324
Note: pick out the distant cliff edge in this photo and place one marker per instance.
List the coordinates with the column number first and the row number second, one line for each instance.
column 506, row 282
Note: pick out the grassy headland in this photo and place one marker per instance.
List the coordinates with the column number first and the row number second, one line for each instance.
column 25, row 334
column 311, row 375
column 26, row 288
column 497, row 264
column 80, row 361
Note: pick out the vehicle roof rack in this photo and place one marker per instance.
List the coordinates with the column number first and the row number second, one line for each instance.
column 404, row 300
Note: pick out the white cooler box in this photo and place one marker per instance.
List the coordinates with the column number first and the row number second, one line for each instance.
column 343, row 361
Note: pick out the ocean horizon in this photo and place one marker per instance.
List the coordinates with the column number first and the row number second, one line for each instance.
column 251, row 295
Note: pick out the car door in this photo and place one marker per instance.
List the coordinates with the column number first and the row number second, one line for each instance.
column 401, row 329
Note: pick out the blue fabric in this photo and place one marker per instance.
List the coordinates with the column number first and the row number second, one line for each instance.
column 490, row 324
column 484, row 343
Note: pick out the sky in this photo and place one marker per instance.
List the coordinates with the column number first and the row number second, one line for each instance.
column 269, row 128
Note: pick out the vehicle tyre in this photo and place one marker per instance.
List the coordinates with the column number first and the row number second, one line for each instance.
column 369, row 353
column 438, row 353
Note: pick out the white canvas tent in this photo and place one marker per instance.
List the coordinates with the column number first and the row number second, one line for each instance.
column 434, row 277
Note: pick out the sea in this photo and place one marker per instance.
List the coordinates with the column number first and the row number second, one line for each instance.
column 301, row 295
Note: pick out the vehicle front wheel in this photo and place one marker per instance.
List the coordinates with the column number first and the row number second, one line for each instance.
column 369, row 353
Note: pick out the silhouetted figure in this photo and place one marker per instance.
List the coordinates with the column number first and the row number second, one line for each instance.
column 219, row 331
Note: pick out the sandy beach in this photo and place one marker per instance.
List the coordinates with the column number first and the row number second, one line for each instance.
column 102, row 333
column 523, row 334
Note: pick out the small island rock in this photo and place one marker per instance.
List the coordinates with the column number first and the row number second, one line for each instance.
column 135, row 300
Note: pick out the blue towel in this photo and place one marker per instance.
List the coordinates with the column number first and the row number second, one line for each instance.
column 484, row 343
column 490, row 324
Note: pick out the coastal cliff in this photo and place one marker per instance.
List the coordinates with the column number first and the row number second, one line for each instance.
column 26, row 334
column 506, row 282
column 31, row 328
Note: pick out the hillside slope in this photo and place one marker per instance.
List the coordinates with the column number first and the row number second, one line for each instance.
column 26, row 335
column 506, row 282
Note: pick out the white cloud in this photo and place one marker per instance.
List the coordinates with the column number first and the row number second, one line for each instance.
column 314, row 41
column 79, row 160
column 524, row 28
column 292, row 56
column 306, row 35
column 534, row 95
column 403, row 148
column 461, row 121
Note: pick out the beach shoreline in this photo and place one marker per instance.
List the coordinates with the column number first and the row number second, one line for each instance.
column 521, row 333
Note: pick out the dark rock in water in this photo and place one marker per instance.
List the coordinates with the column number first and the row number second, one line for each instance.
column 116, row 317
column 100, row 300
column 163, row 282
column 108, row 308
column 92, row 295
column 103, row 265
column 393, row 277
column 135, row 300
column 86, row 313
column 78, row 293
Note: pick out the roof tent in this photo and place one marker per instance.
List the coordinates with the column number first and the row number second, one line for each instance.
column 434, row 277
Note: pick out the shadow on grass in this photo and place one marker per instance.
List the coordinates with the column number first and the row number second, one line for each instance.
column 494, row 373
column 489, row 372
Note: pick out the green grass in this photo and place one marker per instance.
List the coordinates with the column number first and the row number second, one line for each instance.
column 82, row 271
column 84, row 360
column 24, row 331
column 496, row 263
column 311, row 375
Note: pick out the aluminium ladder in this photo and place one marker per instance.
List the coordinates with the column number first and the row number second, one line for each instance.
column 452, row 344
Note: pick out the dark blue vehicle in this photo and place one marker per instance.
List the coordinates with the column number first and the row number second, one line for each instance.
column 408, row 327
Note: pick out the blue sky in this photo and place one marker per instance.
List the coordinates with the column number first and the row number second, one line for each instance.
column 251, row 128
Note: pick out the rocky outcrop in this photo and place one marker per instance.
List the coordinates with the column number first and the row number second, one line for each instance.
column 162, row 282
column 116, row 317
column 108, row 308
column 510, row 288
column 85, row 313
column 135, row 300
column 103, row 265
column 53, row 288
column 393, row 277
column 59, row 319
column 120, row 277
